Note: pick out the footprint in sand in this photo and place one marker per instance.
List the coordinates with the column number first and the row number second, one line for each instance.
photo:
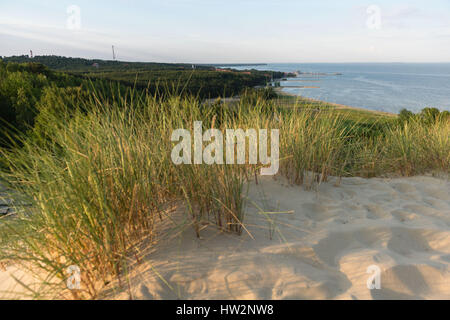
column 384, row 197
column 438, row 204
column 408, row 241
column 438, row 193
column 413, row 282
column 410, row 196
column 405, row 216
column 302, row 254
column 404, row 187
column 376, row 212
column 336, row 193
column 428, row 211
column 336, row 245
column 319, row 212
column 325, row 287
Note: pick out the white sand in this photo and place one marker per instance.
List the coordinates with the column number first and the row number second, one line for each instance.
column 321, row 250
column 19, row 284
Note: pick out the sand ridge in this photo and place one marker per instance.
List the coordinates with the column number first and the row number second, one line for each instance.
column 320, row 250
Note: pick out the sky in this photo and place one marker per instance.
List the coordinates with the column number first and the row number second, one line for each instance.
column 229, row 31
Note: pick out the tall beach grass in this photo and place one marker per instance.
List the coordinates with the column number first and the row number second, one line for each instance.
column 100, row 177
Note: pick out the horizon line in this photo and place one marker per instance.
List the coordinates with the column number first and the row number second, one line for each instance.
column 236, row 63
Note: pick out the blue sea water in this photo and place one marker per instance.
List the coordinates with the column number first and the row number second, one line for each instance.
column 377, row 86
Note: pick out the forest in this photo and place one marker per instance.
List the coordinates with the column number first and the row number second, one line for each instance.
column 28, row 86
column 200, row 80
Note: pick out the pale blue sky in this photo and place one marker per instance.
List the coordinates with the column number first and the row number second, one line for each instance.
column 231, row 31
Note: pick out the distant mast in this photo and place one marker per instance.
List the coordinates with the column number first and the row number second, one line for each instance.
column 114, row 53
column 31, row 54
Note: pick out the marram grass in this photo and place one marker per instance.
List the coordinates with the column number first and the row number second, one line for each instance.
column 99, row 178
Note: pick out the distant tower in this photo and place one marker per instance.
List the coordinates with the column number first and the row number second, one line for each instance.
column 31, row 54
column 114, row 54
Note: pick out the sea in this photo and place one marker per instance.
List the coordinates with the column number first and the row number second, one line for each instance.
column 387, row 87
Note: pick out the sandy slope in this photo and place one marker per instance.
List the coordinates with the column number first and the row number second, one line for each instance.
column 320, row 251
column 320, row 248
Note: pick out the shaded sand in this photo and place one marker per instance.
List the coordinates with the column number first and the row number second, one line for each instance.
column 320, row 247
column 321, row 250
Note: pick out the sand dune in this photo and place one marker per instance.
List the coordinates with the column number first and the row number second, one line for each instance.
column 308, row 244
column 322, row 250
